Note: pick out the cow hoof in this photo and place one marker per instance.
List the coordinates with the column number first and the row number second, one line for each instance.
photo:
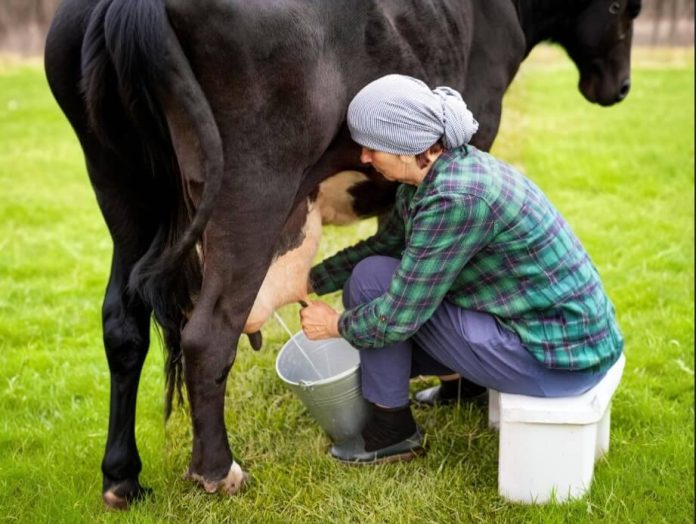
column 235, row 480
column 122, row 495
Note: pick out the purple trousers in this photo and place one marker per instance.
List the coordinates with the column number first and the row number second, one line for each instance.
column 454, row 340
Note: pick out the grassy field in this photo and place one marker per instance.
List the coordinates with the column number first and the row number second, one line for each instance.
column 624, row 179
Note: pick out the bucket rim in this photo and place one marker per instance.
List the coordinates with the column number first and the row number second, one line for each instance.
column 333, row 378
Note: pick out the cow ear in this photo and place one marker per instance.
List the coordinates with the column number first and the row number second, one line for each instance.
column 256, row 340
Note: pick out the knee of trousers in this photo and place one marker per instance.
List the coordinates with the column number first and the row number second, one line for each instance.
column 370, row 278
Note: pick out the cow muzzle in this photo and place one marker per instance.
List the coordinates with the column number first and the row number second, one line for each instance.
column 601, row 87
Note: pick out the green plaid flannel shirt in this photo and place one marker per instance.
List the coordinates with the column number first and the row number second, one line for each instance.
column 480, row 235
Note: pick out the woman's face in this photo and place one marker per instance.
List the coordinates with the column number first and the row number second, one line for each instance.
column 396, row 168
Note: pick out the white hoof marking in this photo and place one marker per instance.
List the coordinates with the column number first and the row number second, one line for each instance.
column 234, row 481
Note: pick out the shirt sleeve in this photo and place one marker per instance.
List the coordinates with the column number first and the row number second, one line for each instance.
column 333, row 272
column 446, row 232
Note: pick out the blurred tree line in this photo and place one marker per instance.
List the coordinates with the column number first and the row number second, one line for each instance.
column 23, row 23
column 15, row 14
column 668, row 13
column 18, row 12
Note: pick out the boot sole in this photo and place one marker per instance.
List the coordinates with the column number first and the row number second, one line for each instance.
column 398, row 457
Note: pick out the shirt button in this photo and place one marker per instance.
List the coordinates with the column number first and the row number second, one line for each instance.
column 383, row 318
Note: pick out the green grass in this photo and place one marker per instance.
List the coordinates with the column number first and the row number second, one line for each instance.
column 623, row 177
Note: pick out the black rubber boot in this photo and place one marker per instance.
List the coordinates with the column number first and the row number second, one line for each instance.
column 390, row 435
column 388, row 426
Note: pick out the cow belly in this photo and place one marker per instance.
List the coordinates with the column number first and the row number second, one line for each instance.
column 335, row 202
column 286, row 280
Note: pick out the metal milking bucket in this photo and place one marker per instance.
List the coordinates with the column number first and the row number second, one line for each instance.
column 325, row 375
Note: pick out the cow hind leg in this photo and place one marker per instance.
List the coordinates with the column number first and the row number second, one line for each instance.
column 209, row 343
column 131, row 204
column 125, row 317
column 126, row 325
column 239, row 245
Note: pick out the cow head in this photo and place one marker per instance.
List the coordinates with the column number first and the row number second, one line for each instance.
column 598, row 40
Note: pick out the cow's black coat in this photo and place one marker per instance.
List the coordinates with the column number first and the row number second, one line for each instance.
column 212, row 120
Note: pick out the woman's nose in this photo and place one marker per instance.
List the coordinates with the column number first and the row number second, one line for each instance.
column 365, row 156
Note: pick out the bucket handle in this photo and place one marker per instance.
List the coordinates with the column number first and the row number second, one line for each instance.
column 306, row 386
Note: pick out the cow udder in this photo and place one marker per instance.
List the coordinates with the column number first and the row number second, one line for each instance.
column 286, row 280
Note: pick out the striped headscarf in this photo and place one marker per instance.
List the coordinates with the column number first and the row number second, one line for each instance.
column 401, row 115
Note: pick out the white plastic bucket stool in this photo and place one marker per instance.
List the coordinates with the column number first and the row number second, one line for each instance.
column 548, row 446
column 325, row 375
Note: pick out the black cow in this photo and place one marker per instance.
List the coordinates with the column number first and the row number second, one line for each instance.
column 207, row 128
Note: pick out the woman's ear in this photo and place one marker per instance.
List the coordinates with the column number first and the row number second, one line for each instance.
column 434, row 153
column 407, row 159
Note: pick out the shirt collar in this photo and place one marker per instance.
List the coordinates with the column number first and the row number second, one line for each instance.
column 444, row 159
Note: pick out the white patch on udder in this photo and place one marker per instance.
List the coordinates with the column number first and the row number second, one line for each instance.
column 286, row 280
column 335, row 202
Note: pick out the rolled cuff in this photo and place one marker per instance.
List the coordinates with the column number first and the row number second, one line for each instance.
column 321, row 280
column 362, row 329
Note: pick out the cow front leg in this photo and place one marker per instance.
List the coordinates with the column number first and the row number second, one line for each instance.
column 126, row 327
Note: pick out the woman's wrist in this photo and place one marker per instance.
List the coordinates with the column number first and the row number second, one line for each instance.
column 334, row 326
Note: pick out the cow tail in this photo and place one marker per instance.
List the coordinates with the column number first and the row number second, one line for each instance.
column 135, row 73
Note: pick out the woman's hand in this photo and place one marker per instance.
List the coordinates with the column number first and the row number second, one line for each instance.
column 319, row 320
